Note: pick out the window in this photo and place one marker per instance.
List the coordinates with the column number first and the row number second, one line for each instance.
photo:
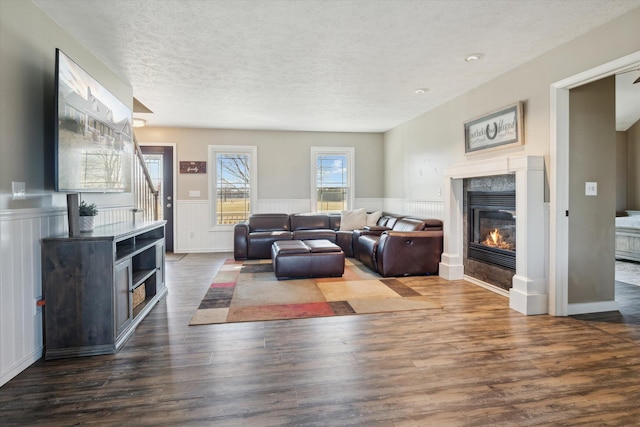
column 332, row 179
column 154, row 164
column 234, row 190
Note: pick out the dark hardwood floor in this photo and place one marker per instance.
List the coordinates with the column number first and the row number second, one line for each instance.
column 473, row 363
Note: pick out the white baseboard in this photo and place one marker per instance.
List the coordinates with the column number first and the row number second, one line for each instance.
column 592, row 307
column 21, row 365
column 487, row 286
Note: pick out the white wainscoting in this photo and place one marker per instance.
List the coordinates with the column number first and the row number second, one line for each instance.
column 113, row 215
column 304, row 205
column 288, row 206
column 21, row 335
column 371, row 205
column 193, row 229
column 433, row 209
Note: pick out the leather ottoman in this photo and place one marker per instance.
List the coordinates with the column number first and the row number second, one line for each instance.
column 307, row 258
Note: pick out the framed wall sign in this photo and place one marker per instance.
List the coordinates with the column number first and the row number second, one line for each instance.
column 499, row 129
column 193, row 167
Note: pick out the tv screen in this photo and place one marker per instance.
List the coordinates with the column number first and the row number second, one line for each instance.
column 94, row 138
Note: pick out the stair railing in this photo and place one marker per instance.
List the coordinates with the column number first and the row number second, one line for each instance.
column 146, row 195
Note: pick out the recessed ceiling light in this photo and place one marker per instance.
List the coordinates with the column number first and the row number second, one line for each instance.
column 474, row 57
column 422, row 90
column 138, row 123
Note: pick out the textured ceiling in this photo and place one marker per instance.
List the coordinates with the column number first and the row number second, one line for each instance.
column 333, row 65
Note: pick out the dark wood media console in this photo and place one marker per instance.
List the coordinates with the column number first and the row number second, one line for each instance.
column 89, row 283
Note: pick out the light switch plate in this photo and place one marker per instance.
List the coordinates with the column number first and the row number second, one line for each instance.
column 591, row 189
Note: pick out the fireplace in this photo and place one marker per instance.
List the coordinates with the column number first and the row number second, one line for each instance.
column 527, row 289
column 492, row 227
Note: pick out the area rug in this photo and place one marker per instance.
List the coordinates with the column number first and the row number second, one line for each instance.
column 628, row 272
column 249, row 291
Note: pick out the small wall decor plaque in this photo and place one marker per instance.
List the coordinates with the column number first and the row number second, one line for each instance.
column 499, row 129
column 193, row 167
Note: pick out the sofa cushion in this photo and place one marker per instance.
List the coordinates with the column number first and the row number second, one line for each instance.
column 309, row 222
column 353, row 220
column 382, row 221
column 372, row 218
column 259, row 243
column 289, row 247
column 268, row 222
column 321, row 246
column 409, row 224
column 334, row 221
column 391, row 221
column 321, row 233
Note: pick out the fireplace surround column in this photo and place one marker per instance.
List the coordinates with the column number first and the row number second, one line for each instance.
column 528, row 294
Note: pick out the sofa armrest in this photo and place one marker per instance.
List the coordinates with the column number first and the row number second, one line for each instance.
column 372, row 229
column 402, row 253
column 344, row 239
column 433, row 224
column 241, row 241
column 368, row 230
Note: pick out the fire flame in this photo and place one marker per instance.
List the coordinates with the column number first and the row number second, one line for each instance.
column 495, row 240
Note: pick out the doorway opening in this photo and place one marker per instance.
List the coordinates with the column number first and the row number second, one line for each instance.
column 559, row 177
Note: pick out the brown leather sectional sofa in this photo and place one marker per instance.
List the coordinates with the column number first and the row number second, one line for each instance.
column 395, row 246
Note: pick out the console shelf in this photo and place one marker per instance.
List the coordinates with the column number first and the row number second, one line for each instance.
column 139, row 277
column 90, row 283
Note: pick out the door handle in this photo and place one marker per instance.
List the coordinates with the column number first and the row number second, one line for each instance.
column 168, row 205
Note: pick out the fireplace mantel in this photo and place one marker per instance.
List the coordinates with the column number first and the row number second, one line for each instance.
column 529, row 293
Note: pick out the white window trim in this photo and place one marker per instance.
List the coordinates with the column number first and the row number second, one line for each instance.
column 324, row 151
column 212, row 174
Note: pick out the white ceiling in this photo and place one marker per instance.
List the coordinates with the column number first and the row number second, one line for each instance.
column 318, row 65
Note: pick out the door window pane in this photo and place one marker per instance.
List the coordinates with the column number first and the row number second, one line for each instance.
column 154, row 164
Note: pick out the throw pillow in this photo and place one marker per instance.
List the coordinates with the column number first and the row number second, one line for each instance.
column 353, row 220
column 372, row 218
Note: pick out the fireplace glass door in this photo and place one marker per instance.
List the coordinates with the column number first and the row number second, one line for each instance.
column 492, row 228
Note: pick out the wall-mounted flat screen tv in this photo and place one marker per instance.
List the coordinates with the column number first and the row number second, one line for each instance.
column 94, row 138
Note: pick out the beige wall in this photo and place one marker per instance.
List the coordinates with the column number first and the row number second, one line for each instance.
column 436, row 138
column 28, row 40
column 592, row 218
column 633, row 167
column 283, row 158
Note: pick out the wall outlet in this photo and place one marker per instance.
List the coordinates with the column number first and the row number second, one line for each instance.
column 591, row 189
column 19, row 190
column 194, row 193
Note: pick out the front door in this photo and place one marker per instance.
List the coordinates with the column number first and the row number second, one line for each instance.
column 159, row 160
